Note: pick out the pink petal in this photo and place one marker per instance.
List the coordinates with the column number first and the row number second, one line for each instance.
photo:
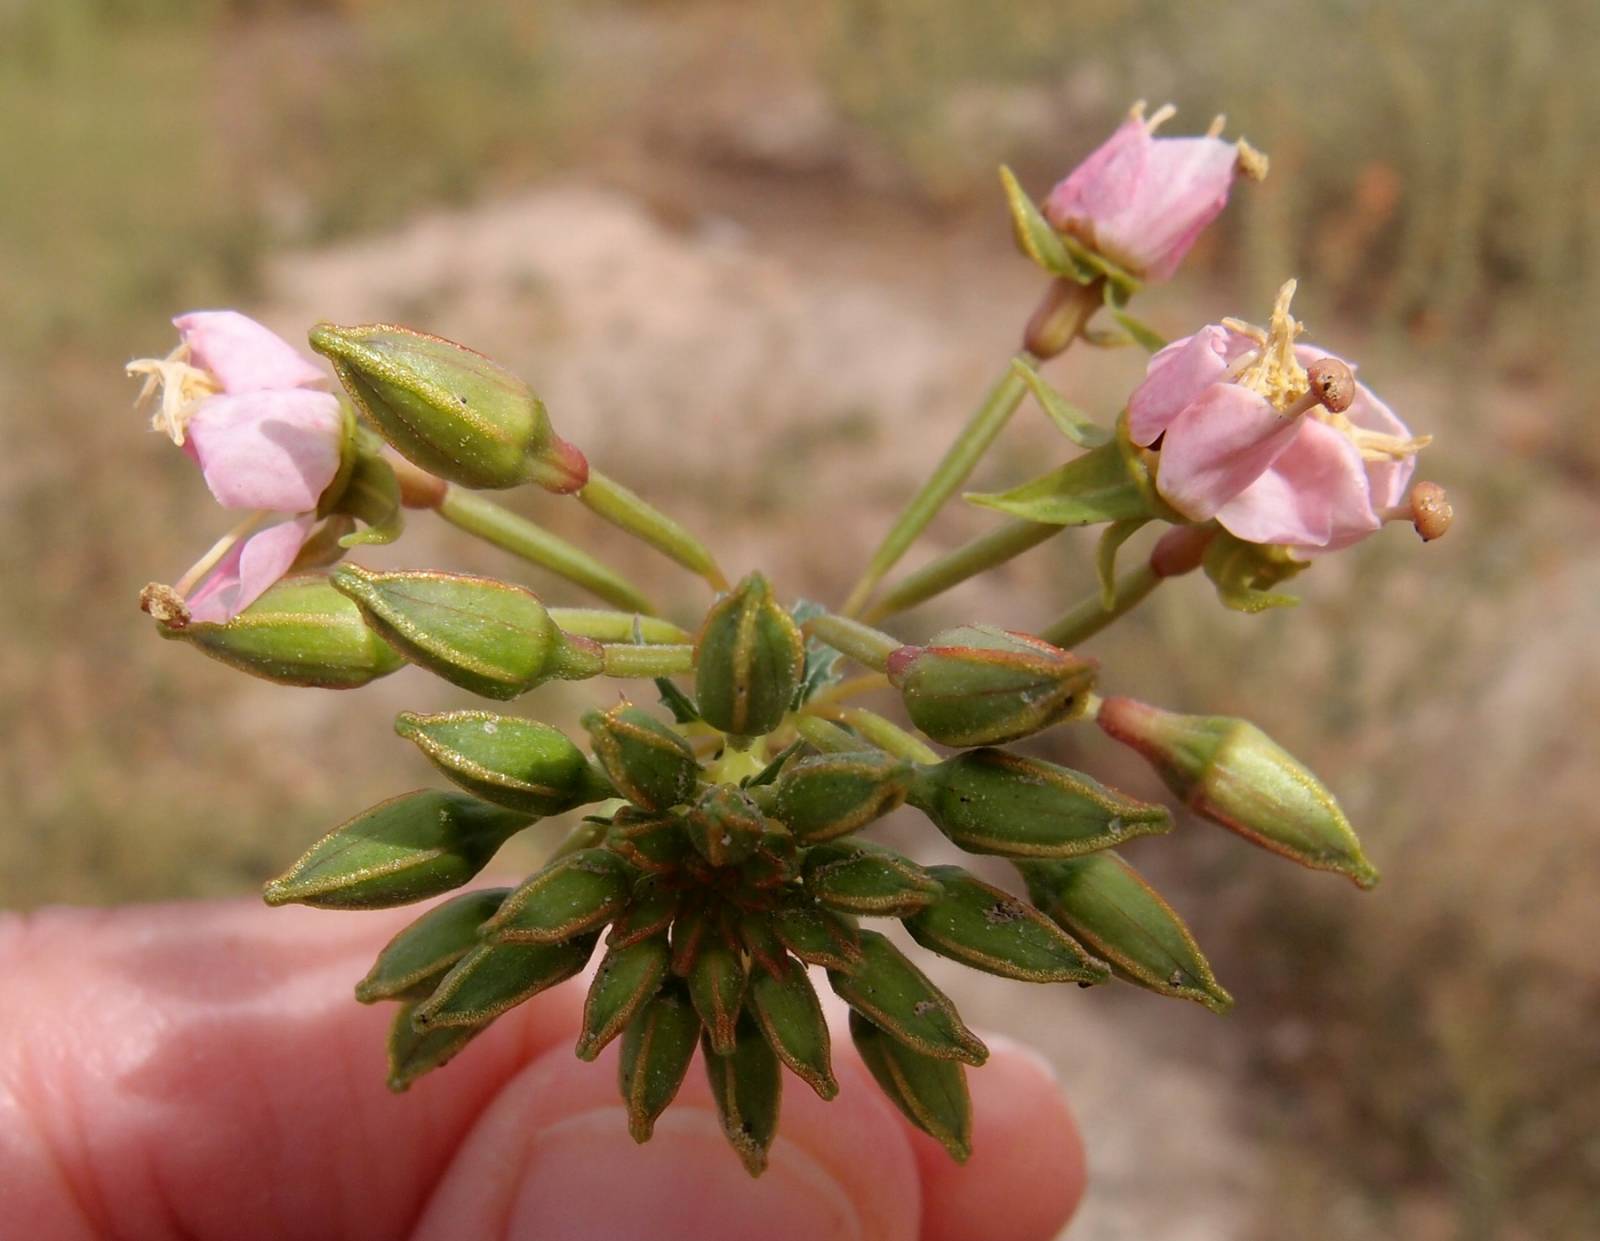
column 243, row 355
column 244, row 574
column 271, row 450
column 1387, row 480
column 1217, row 446
column 1313, row 496
column 1104, row 183
column 1186, row 184
column 1175, row 377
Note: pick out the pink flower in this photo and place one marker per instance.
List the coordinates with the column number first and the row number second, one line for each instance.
column 1275, row 440
column 1142, row 201
column 244, row 405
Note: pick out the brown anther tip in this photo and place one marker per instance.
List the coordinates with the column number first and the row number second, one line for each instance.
column 1431, row 512
column 165, row 606
column 1332, row 384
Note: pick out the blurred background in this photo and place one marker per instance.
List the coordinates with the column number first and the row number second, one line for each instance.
column 755, row 258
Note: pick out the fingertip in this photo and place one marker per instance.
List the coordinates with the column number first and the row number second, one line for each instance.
column 1025, row 1176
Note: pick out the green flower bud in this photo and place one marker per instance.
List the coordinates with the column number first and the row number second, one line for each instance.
column 1229, row 771
column 725, row 825
column 655, row 842
column 830, row 795
column 717, row 982
column 406, row 849
column 624, row 983
column 516, row 763
column 448, row 409
column 300, row 632
column 748, row 661
column 931, row 1093
column 978, row 685
column 489, row 637
column 774, row 863
column 578, row 892
column 650, row 764
column 656, row 1049
column 650, row 911
column 694, row 931
column 747, row 1084
column 862, row 877
column 786, row 1007
column 414, row 960
column 989, row 929
column 816, row 935
column 413, row 1053
column 1104, row 902
column 494, row 978
column 991, row 801
column 897, row 997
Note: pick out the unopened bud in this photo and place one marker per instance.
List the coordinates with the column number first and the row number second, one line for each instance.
column 725, row 825
column 414, row 960
column 300, row 632
column 649, row 763
column 979, row 685
column 748, row 660
column 898, row 998
column 512, row 762
column 489, row 637
column 1229, row 771
column 863, row 877
column 932, row 1093
column 450, row 410
column 747, row 1084
column 576, row 893
column 830, row 795
column 657, row 1047
column 786, row 1007
column 628, row 975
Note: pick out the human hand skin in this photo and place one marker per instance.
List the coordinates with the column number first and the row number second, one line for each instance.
column 201, row 1071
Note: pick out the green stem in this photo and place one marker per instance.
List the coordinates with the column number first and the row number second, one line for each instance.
column 968, row 560
column 825, row 735
column 611, row 501
column 862, row 643
column 887, row 735
column 477, row 515
column 1092, row 615
column 647, row 661
column 604, row 626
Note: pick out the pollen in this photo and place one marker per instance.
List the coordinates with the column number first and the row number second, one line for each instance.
column 175, row 388
column 1272, row 369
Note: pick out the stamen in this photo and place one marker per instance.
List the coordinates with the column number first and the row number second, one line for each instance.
column 182, row 387
column 1163, row 114
column 1218, row 124
column 165, row 606
column 193, row 575
column 1428, row 510
column 1276, row 374
column 1251, row 163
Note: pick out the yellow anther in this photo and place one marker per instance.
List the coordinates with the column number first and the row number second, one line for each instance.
column 182, row 388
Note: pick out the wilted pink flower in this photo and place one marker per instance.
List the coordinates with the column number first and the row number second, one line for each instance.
column 244, row 405
column 1273, row 439
column 1141, row 200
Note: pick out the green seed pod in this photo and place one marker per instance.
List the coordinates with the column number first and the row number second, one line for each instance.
column 861, row 877
column 989, row 929
column 411, row 1054
column 448, row 409
column 725, row 825
column 748, row 660
column 415, row 959
column 717, row 985
column 650, row 911
column 1104, row 902
column 991, row 801
column 979, row 685
column 747, row 1084
column 650, row 764
column 656, row 1049
column 300, row 632
column 931, row 1093
column 578, row 892
column 897, row 997
column 830, row 795
column 624, row 983
column 516, row 763
column 494, row 978
column 775, row 862
column 766, row 950
column 489, row 637
column 406, row 849
column 786, row 1007
column 816, row 935
column 653, row 841
column 1229, row 771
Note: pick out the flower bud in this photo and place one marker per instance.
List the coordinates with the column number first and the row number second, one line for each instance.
column 748, row 660
column 650, row 911
column 786, row 1007
column 489, row 637
column 413, row 1053
column 520, row 764
column 576, row 893
column 494, row 978
column 991, row 801
column 1229, row 771
column 830, row 795
column 300, row 632
column 725, row 825
column 650, row 764
column 418, row 957
column 862, row 877
column 931, row 1093
column 897, row 997
column 717, row 983
column 406, row 849
column 979, row 685
column 747, row 1085
column 657, row 1047
column 450, row 410
column 653, row 841
column 624, row 982
column 816, row 935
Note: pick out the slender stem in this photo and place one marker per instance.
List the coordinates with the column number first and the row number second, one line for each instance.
column 825, row 735
column 610, row 500
column 480, row 516
column 887, row 735
column 218, row 551
column 860, row 642
column 1071, row 311
column 647, row 661
column 1091, row 615
column 604, row 626
column 845, row 690
column 968, row 560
